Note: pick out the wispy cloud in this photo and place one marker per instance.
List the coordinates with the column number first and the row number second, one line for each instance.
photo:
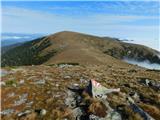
column 85, row 8
column 126, row 23
column 14, row 16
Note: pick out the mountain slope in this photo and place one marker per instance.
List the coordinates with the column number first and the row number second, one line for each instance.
column 6, row 48
column 72, row 47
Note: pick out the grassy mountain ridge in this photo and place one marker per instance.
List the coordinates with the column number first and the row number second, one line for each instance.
column 37, row 89
column 79, row 48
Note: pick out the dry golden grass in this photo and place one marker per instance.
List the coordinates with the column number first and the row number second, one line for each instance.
column 98, row 108
column 152, row 110
column 52, row 94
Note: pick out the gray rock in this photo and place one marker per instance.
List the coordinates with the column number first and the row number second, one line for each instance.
column 93, row 117
column 29, row 104
column 11, row 94
column 65, row 119
column 77, row 112
column 21, row 81
column 110, row 116
column 57, row 85
column 67, row 77
column 83, row 80
column 14, row 85
column 7, row 112
column 56, row 96
column 150, row 83
column 70, row 101
column 40, row 82
column 65, row 65
column 22, row 99
column 43, row 112
column 24, row 113
column 2, row 83
column 135, row 96
column 113, row 116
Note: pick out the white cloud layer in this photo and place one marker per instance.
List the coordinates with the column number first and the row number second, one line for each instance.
column 145, row 64
column 14, row 37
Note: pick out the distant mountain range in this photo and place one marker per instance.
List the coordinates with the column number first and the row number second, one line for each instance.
column 77, row 48
column 14, row 38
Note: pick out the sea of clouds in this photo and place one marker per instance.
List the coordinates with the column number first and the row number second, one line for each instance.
column 145, row 63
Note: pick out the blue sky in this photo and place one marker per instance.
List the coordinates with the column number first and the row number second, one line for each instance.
column 136, row 20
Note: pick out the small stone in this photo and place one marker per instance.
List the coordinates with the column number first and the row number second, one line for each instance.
column 29, row 103
column 40, row 82
column 14, row 85
column 56, row 96
column 94, row 117
column 64, row 65
column 6, row 112
column 43, row 112
column 65, row 119
column 147, row 82
column 22, row 99
column 11, row 94
column 83, row 80
column 67, row 77
column 129, row 52
column 135, row 96
column 24, row 113
column 21, row 82
column 2, row 83
column 75, row 84
column 114, row 116
column 77, row 112
column 57, row 85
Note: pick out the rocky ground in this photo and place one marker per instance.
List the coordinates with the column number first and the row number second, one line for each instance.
column 40, row 92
